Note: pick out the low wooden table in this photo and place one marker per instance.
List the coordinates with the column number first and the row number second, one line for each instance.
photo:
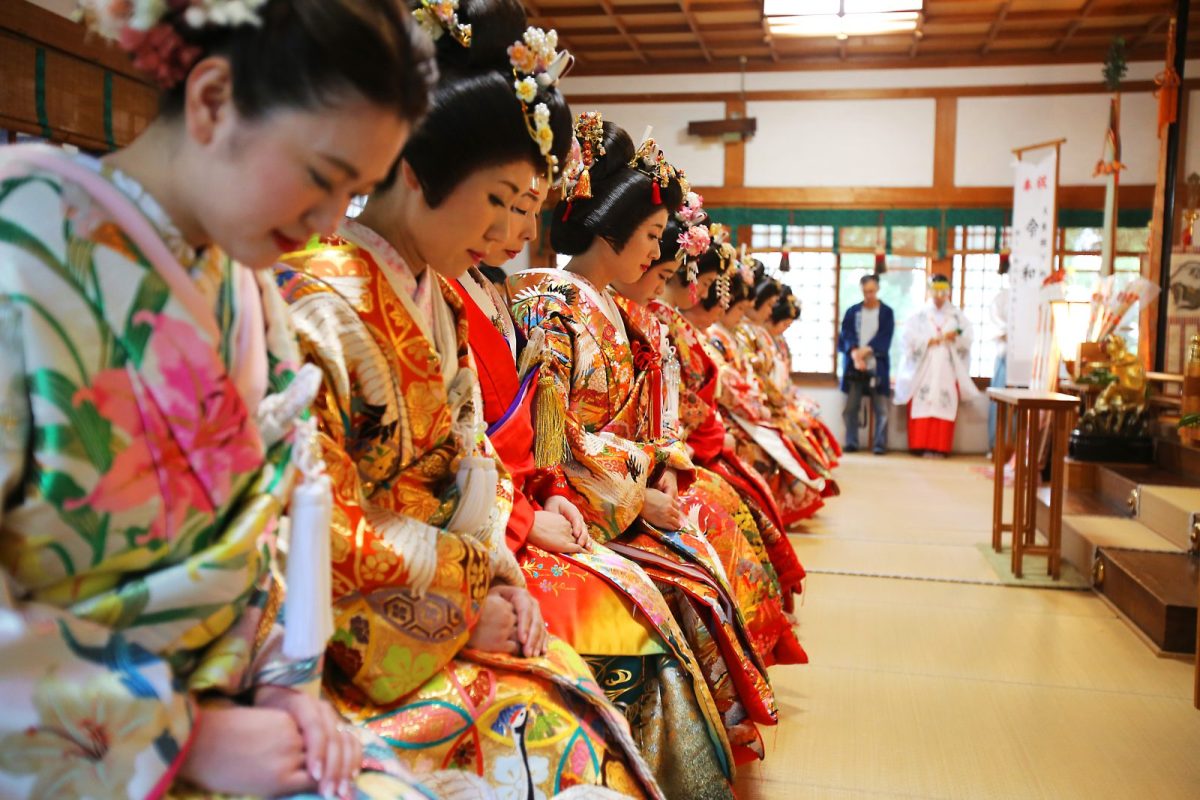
column 1025, row 405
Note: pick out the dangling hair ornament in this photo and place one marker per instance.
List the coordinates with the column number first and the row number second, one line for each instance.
column 148, row 29
column 537, row 66
column 589, row 139
column 692, row 211
column 729, row 265
column 693, row 243
column 440, row 17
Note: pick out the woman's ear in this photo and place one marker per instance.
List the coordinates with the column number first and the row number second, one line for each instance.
column 208, row 98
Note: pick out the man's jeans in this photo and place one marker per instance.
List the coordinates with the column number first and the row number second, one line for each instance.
column 881, row 403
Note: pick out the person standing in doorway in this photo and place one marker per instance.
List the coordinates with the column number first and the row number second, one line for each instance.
column 865, row 340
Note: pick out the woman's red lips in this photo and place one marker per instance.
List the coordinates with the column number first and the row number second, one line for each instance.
column 476, row 256
column 284, row 243
column 512, row 253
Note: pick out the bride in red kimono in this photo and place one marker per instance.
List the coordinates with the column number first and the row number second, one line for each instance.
column 601, row 603
column 595, row 404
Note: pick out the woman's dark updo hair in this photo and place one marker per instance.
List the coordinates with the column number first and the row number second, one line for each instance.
column 621, row 200
column 783, row 310
column 311, row 53
column 766, row 290
column 475, row 120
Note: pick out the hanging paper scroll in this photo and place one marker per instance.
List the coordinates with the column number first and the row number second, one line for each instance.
column 1032, row 259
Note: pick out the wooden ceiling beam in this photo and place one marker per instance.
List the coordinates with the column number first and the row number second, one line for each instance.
column 1151, row 29
column 1083, row 14
column 995, row 29
column 632, row 42
column 691, row 21
column 918, row 32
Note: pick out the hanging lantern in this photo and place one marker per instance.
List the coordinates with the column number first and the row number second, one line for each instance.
column 1005, row 259
column 785, row 261
column 880, row 261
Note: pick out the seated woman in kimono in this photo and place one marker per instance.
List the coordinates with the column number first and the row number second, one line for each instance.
column 794, row 413
column 760, row 440
column 627, row 468
column 724, row 518
column 438, row 646
column 149, row 390
column 687, row 268
column 602, row 604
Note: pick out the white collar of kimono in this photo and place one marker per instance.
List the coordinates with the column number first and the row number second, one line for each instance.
column 145, row 203
column 479, row 288
column 435, row 319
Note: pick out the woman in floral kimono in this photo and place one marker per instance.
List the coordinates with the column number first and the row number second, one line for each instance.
column 148, row 402
column 626, row 468
column 721, row 514
column 438, row 647
column 602, row 604
column 686, row 269
column 759, row 440
column 793, row 412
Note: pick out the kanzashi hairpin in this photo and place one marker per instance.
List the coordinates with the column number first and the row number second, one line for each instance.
column 440, row 18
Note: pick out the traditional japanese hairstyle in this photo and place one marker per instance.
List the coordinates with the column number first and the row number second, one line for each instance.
column 282, row 53
column 482, row 113
column 786, row 307
column 766, row 290
column 624, row 192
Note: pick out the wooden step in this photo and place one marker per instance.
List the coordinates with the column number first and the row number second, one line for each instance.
column 1076, row 502
column 1084, row 534
column 1156, row 591
column 1169, row 511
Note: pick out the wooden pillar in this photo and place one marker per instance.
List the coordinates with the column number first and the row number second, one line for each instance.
column 1162, row 237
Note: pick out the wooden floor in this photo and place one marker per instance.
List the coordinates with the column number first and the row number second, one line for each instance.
column 935, row 689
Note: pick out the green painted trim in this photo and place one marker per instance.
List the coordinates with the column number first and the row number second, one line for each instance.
column 39, row 90
column 109, row 139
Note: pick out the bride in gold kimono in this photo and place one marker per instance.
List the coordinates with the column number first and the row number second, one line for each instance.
column 438, row 647
column 150, row 396
column 626, row 468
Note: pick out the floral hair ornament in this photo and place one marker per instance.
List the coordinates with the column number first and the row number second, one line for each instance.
column 650, row 161
column 440, row 17
column 729, row 265
column 148, row 29
column 537, row 66
column 692, row 211
column 589, row 139
column 693, row 243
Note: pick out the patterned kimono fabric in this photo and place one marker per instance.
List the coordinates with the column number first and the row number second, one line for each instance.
column 720, row 513
column 418, row 539
column 701, row 421
column 795, row 485
column 145, row 473
column 604, row 605
column 793, row 412
column 613, row 458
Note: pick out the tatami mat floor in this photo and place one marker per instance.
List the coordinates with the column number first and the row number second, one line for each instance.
column 935, row 689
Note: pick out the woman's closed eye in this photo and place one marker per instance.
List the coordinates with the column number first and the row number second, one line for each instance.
column 319, row 180
column 496, row 201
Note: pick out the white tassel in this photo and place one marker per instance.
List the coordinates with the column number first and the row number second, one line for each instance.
column 308, row 606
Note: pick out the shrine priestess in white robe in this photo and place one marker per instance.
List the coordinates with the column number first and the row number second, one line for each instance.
column 929, row 373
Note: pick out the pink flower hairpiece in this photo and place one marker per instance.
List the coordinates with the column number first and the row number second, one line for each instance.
column 537, row 66
column 149, row 29
column 692, row 211
column 695, row 241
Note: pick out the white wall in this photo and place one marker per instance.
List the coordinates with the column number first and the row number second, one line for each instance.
column 703, row 159
column 990, row 127
column 890, row 142
column 841, row 143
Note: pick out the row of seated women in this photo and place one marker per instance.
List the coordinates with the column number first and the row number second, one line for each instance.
column 299, row 504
